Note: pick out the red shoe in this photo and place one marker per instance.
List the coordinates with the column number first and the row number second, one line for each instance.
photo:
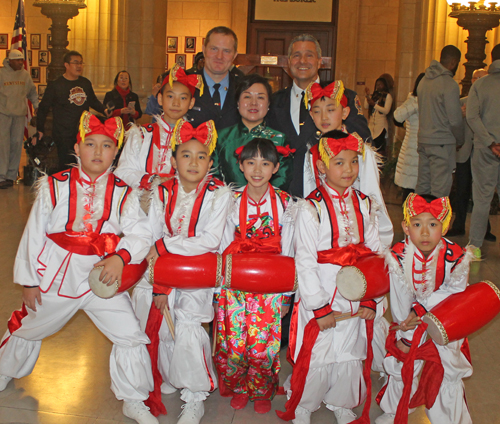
column 239, row 401
column 262, row 406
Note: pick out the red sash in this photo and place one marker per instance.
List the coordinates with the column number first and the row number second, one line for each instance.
column 344, row 256
column 86, row 243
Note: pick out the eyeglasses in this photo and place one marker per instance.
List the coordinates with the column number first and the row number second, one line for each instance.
column 77, row 63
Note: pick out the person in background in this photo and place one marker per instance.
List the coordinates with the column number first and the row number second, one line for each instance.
column 16, row 86
column 407, row 166
column 379, row 105
column 463, row 176
column 483, row 105
column 68, row 97
column 153, row 108
column 441, row 126
column 122, row 100
column 198, row 64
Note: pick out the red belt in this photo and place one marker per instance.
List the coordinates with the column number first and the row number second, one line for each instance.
column 344, row 256
column 86, row 243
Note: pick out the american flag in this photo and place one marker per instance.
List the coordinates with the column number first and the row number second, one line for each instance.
column 19, row 43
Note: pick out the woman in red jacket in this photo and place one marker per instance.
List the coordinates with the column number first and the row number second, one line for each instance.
column 125, row 103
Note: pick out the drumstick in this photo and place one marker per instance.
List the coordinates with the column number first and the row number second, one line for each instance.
column 214, row 335
column 413, row 323
column 346, row 316
column 170, row 323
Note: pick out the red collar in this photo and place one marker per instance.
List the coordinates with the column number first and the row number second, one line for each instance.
column 122, row 92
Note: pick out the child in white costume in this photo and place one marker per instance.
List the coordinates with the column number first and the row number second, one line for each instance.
column 334, row 220
column 76, row 219
column 424, row 271
column 188, row 214
column 147, row 152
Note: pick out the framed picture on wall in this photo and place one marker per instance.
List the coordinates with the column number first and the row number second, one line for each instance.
column 35, row 73
column 30, row 58
column 190, row 45
column 49, row 41
column 41, row 91
column 43, row 58
column 180, row 59
column 4, row 41
column 166, row 62
column 35, row 41
column 172, row 44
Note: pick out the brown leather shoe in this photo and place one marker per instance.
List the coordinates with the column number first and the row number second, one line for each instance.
column 6, row 184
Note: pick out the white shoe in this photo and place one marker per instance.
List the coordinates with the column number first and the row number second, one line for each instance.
column 192, row 413
column 139, row 412
column 167, row 389
column 4, row 380
column 302, row 416
column 385, row 419
column 344, row 416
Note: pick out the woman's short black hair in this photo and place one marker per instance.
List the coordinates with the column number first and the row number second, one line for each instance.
column 247, row 81
column 417, row 81
column 260, row 147
column 115, row 82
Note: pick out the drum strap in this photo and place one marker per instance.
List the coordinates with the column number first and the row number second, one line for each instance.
column 86, row 243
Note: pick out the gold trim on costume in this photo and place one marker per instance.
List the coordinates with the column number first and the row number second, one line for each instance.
column 494, row 287
column 229, row 269
column 439, row 326
column 218, row 276
column 151, row 272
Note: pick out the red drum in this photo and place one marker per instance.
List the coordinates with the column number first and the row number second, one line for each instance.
column 366, row 280
column 260, row 273
column 188, row 272
column 130, row 277
column 462, row 314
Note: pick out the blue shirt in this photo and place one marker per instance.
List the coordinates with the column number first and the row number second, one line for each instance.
column 224, row 86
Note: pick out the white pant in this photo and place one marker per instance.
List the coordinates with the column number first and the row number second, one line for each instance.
column 450, row 406
column 191, row 367
column 130, row 365
column 11, row 145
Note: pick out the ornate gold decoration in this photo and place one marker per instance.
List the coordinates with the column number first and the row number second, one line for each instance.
column 218, row 276
column 296, row 281
column 151, row 272
column 229, row 269
column 440, row 327
column 494, row 287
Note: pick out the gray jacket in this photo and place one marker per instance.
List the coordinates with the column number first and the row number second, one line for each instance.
column 483, row 108
column 15, row 87
column 440, row 115
column 464, row 153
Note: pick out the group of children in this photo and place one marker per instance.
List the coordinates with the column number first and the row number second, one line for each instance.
column 162, row 199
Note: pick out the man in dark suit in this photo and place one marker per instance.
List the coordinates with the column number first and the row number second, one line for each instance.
column 218, row 100
column 289, row 114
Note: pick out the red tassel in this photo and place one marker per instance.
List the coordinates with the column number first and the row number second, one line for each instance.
column 365, row 416
column 300, row 370
column 154, row 402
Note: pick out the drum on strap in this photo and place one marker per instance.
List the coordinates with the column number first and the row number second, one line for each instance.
column 130, row 277
column 462, row 314
column 260, row 273
column 188, row 272
column 366, row 280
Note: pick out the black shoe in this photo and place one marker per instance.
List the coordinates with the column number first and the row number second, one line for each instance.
column 453, row 232
column 490, row 237
column 6, row 184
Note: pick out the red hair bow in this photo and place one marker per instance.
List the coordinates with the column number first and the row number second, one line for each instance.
column 334, row 91
column 205, row 133
column 192, row 82
column 331, row 147
column 439, row 208
column 90, row 124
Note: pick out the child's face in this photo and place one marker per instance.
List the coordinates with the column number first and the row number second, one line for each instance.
column 192, row 162
column 96, row 154
column 327, row 116
column 175, row 101
column 424, row 231
column 343, row 170
column 258, row 171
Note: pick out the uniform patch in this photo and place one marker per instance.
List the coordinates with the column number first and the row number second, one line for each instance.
column 77, row 96
column 357, row 103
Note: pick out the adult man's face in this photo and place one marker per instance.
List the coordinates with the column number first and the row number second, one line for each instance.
column 16, row 64
column 219, row 55
column 74, row 68
column 477, row 74
column 304, row 63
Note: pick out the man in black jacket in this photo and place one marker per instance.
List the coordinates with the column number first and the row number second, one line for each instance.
column 289, row 115
column 218, row 101
column 68, row 96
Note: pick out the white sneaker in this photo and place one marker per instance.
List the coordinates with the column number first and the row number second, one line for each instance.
column 385, row 419
column 302, row 416
column 344, row 416
column 139, row 412
column 167, row 389
column 192, row 413
column 4, row 380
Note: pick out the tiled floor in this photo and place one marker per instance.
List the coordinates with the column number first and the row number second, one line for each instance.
column 70, row 384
